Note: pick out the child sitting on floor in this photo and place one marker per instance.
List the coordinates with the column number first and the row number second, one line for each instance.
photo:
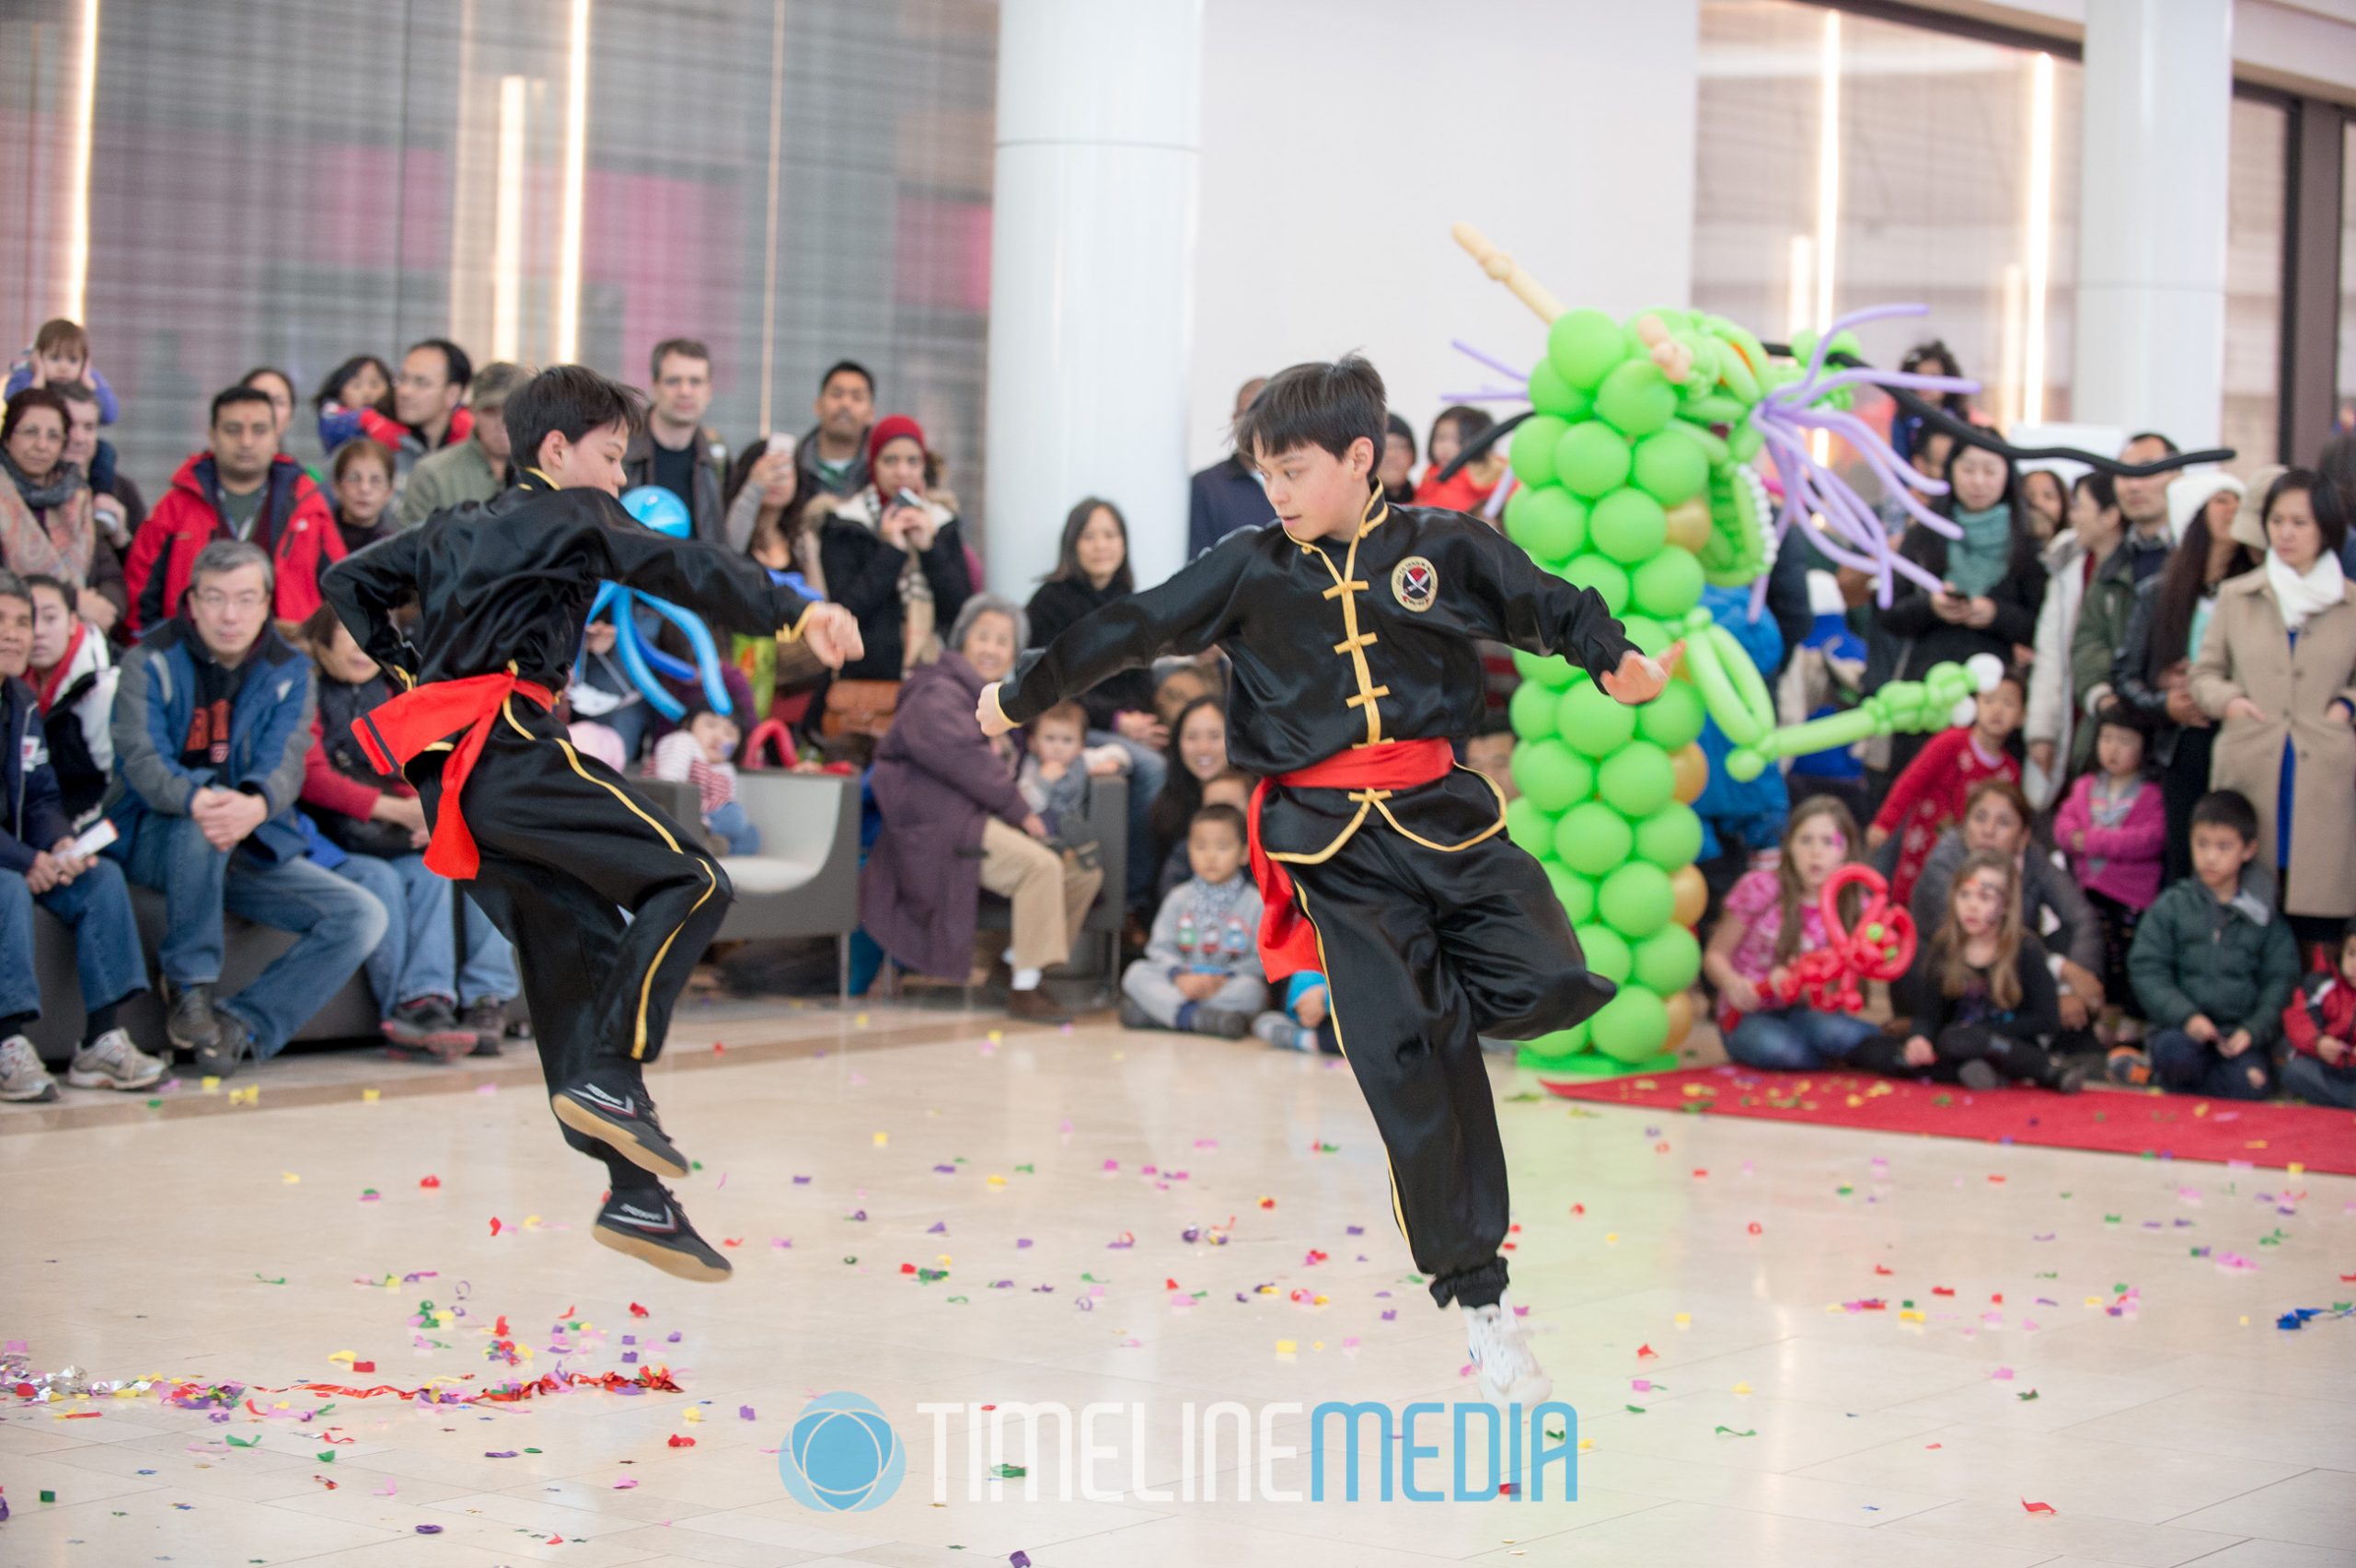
column 1304, row 1023
column 2214, row 964
column 2320, row 1024
column 1201, row 970
column 1057, row 763
column 1931, row 794
column 698, row 753
column 1971, row 1007
column 1770, row 918
column 2115, row 831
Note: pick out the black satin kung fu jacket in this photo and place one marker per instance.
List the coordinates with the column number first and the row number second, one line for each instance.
column 506, row 583
column 1338, row 644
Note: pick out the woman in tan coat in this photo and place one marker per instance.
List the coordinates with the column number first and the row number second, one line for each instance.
column 2278, row 667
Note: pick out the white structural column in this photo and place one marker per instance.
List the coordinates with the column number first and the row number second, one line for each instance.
column 2157, row 114
column 1092, row 275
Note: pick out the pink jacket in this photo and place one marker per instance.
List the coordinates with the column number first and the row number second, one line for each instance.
column 2120, row 862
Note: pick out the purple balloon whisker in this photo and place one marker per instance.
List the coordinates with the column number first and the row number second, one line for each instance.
column 1468, row 352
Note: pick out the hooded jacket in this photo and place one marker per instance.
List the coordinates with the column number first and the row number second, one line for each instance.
column 294, row 525
column 31, row 817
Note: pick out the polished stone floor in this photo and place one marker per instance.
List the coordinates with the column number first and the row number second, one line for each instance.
column 1783, row 1344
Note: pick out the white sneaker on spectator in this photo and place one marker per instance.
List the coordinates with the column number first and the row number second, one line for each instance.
column 111, row 1061
column 22, row 1077
column 1509, row 1371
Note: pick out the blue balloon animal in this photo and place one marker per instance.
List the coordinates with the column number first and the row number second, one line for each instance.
column 665, row 513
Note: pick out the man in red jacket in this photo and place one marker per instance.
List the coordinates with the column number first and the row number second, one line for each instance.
column 240, row 487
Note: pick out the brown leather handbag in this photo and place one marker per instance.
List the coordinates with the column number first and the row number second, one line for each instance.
column 859, row 708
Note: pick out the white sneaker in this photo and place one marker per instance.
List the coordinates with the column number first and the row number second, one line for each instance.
column 22, row 1077
column 1509, row 1372
column 111, row 1061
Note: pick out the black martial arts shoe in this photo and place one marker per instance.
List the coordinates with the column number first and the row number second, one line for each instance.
column 647, row 1224
column 609, row 1104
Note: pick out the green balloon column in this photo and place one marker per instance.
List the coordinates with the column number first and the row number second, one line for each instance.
column 1636, row 481
column 1619, row 483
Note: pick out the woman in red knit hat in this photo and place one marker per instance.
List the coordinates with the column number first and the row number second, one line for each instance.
column 895, row 558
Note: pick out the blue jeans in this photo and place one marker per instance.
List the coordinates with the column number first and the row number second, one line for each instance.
column 731, row 823
column 1797, row 1038
column 106, row 938
column 2319, row 1082
column 339, row 923
column 2185, row 1066
column 420, row 955
column 1148, row 771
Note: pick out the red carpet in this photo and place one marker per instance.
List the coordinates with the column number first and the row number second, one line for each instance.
column 2174, row 1126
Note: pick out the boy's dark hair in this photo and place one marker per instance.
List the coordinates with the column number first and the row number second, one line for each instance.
column 2227, row 808
column 231, row 396
column 855, row 368
column 56, row 585
column 2099, row 485
column 453, row 358
column 569, row 401
column 57, row 335
column 1333, row 406
column 2166, row 445
column 1064, row 712
column 1226, row 816
column 685, row 348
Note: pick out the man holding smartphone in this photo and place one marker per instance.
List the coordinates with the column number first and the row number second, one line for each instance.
column 40, row 862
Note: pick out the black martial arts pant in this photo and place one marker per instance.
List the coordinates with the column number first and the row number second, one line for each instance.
column 1425, row 951
column 567, row 848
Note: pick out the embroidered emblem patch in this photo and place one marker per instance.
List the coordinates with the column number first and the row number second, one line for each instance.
column 1415, row 582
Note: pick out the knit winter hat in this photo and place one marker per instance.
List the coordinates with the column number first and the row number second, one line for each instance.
column 891, row 427
column 2190, row 493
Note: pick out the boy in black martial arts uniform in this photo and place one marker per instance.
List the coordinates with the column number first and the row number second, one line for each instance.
column 555, row 846
column 1350, row 626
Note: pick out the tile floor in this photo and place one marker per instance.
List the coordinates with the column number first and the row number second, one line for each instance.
column 2088, row 1332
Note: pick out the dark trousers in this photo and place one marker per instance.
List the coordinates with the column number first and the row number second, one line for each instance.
column 1959, row 1043
column 2185, row 1066
column 567, row 848
column 2119, row 923
column 2183, row 781
column 1425, row 951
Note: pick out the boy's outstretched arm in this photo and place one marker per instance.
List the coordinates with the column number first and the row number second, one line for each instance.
column 1186, row 615
column 730, row 590
column 1539, row 613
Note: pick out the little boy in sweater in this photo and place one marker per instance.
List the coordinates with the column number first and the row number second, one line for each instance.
column 1201, row 970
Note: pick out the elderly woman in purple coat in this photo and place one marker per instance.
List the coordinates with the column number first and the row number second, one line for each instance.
column 954, row 823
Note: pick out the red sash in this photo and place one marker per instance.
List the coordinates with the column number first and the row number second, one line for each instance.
column 415, row 720
column 1287, row 941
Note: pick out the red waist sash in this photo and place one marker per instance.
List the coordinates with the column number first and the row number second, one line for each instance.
column 1287, row 941
column 415, row 720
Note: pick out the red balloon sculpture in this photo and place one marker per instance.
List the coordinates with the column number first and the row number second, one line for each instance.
column 1832, row 978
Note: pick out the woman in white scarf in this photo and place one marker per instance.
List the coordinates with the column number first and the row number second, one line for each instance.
column 2278, row 667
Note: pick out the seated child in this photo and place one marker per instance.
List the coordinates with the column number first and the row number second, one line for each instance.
column 1929, row 794
column 1771, row 918
column 1971, row 1007
column 1201, row 969
column 2115, row 831
column 2214, row 965
column 698, row 753
column 1231, row 787
column 2320, row 1024
column 1304, row 1023
column 1058, row 763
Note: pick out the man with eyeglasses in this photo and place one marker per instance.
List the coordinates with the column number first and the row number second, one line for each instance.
column 240, row 487
column 420, row 415
column 212, row 718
